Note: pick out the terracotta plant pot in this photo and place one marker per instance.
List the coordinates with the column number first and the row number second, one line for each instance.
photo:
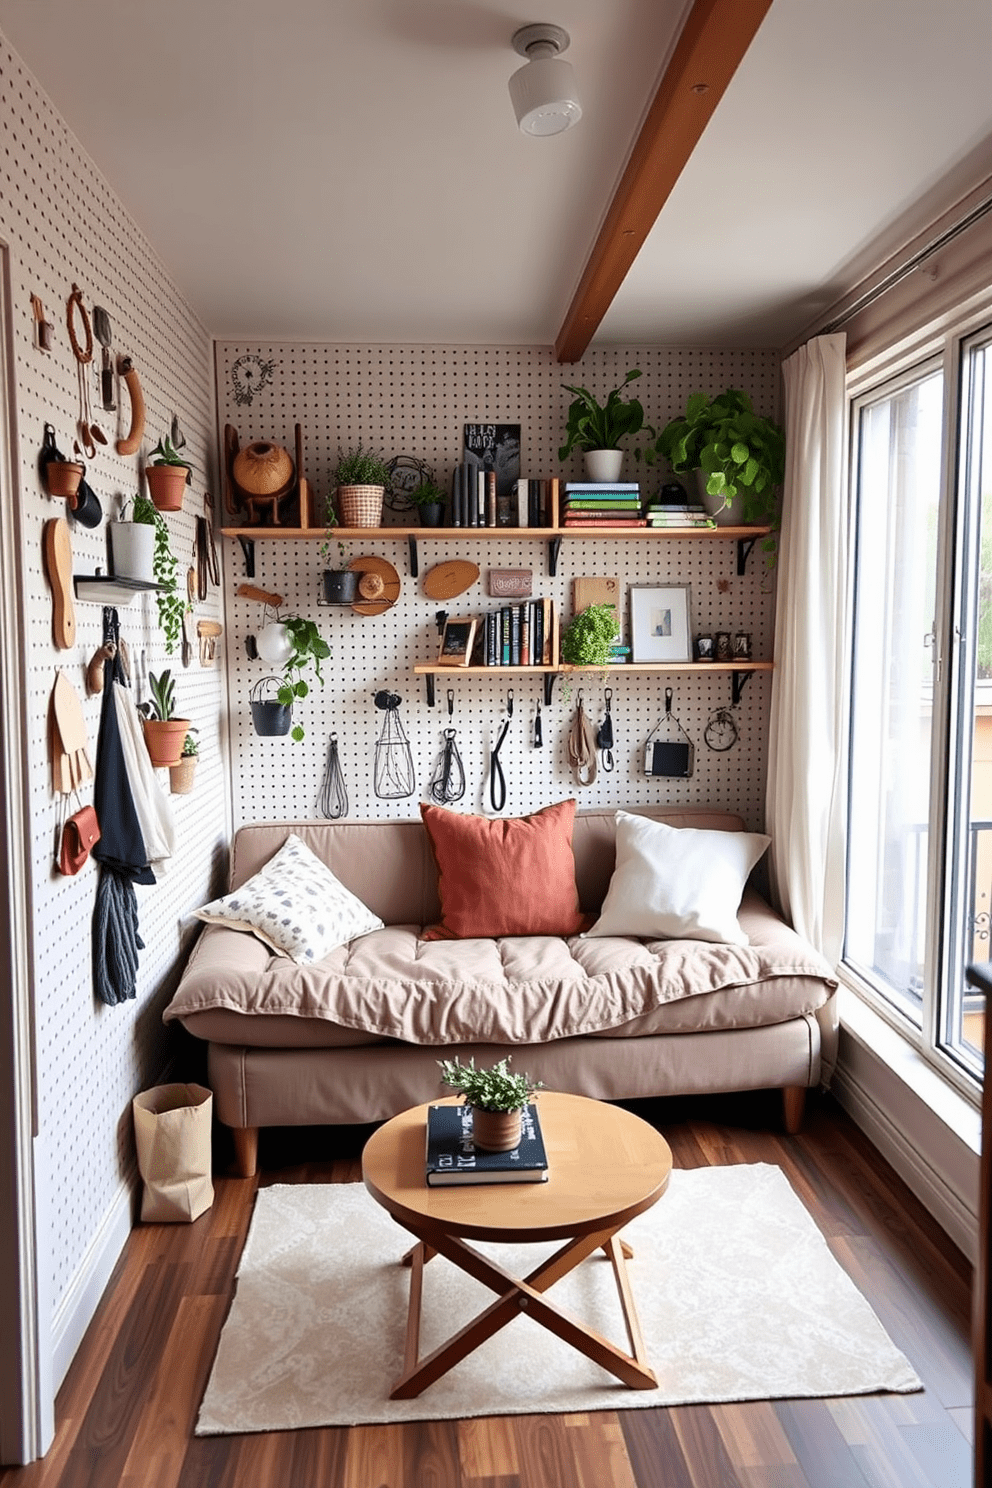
column 166, row 484
column 496, row 1131
column 63, row 477
column 164, row 741
column 181, row 776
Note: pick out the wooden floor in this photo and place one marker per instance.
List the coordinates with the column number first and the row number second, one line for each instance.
column 126, row 1410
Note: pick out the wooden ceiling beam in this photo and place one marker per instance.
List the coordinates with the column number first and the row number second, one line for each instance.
column 709, row 50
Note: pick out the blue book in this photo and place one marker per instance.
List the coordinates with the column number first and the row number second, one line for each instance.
column 452, row 1157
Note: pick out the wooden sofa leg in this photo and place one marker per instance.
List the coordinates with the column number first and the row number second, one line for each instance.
column 793, row 1107
column 245, row 1150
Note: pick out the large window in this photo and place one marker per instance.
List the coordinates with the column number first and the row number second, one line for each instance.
column 919, row 894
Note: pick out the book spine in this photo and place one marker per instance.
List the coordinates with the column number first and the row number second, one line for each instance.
column 504, row 636
column 515, row 635
column 538, row 632
column 490, row 498
column 522, row 511
column 525, row 652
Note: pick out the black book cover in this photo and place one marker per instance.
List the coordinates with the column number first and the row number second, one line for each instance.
column 537, row 625
column 452, row 1156
column 494, row 447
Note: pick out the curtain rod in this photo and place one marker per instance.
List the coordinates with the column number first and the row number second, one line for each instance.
column 897, row 275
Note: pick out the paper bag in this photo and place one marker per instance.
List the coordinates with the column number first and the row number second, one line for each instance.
column 172, row 1135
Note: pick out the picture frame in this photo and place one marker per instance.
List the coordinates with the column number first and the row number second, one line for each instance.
column 660, row 623
column 457, row 642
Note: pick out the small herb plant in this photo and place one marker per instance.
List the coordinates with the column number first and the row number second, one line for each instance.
column 594, row 426
column 489, row 1089
column 163, row 691
column 739, row 450
column 190, row 747
column 428, row 493
column 309, row 647
column 360, row 467
column 587, row 638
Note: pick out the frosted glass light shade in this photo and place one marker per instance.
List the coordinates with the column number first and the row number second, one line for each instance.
column 274, row 644
column 545, row 98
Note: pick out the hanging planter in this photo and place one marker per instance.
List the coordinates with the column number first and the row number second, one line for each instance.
column 164, row 740
column 269, row 716
column 181, row 776
column 341, row 585
column 167, row 476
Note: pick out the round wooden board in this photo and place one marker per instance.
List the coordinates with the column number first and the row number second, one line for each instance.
column 390, row 579
column 452, row 577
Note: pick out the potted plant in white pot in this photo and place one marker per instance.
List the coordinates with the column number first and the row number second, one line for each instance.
column 597, row 428
column 497, row 1099
column 165, row 734
column 167, row 474
column 361, row 478
column 132, row 540
column 294, row 644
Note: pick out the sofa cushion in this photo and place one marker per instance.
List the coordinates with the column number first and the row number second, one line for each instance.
column 295, row 905
column 500, row 877
column 677, row 882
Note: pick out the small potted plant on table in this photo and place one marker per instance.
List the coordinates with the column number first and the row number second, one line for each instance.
column 428, row 501
column 167, row 474
column 361, row 478
column 597, row 429
column 165, row 734
column 497, row 1099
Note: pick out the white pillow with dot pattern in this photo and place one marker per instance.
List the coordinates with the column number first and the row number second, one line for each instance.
column 295, row 905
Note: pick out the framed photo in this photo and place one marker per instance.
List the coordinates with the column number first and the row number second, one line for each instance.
column 660, row 628
column 456, row 642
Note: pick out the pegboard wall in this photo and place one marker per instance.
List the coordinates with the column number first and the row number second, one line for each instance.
column 62, row 225
column 414, row 401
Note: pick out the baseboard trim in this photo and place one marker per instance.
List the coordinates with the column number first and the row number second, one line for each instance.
column 911, row 1160
column 81, row 1298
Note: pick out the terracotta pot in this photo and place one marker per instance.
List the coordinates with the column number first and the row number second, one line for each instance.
column 164, row 741
column 166, row 484
column 496, row 1131
column 63, row 477
column 181, row 776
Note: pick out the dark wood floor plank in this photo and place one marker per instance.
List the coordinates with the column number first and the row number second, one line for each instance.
column 430, row 1455
column 702, row 1447
column 654, row 1449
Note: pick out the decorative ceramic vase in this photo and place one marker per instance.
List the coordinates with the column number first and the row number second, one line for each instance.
column 340, row 585
column 603, row 464
column 263, row 469
column 274, row 643
column 496, row 1131
column 181, row 775
column 166, row 484
column 164, row 740
column 132, row 551
column 360, row 506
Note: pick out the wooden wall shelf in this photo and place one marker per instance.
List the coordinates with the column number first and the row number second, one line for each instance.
column 739, row 670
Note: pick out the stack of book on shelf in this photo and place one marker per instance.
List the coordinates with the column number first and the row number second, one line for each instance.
column 452, row 1156
column 523, row 634
column 662, row 514
column 533, row 503
column 589, row 504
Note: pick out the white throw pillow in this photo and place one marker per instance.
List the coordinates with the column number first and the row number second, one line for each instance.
column 677, row 883
column 295, row 905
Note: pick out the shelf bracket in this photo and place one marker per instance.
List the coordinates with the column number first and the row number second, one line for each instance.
column 429, row 683
column 248, row 548
column 554, row 548
column 744, row 546
column 411, row 543
column 549, row 687
column 738, row 681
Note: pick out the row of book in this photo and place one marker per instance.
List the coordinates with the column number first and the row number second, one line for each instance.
column 661, row 514
column 522, row 634
column 477, row 501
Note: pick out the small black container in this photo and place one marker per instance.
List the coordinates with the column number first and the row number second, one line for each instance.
column 269, row 717
column 430, row 514
column 341, row 585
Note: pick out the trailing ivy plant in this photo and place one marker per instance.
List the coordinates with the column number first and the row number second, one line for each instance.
column 172, row 605
column 492, row 1089
column 309, row 647
column 587, row 638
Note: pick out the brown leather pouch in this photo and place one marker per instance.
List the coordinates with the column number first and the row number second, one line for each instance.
column 80, row 833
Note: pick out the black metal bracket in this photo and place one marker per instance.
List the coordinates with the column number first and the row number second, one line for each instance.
column 549, row 688
column 554, row 548
column 411, row 543
column 738, row 681
column 744, row 546
column 429, row 681
column 248, row 548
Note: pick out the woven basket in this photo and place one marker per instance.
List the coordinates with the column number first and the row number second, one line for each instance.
column 360, row 506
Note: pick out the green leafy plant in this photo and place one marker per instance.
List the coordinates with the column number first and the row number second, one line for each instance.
column 165, row 453
column 489, row 1089
column 190, row 747
column 309, row 648
column 331, row 519
column 428, row 493
column 739, row 450
column 588, row 636
column 163, row 701
column 360, row 467
column 172, row 605
column 593, row 426
column 142, row 511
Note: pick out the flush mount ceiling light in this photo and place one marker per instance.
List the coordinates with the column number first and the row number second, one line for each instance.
column 544, row 95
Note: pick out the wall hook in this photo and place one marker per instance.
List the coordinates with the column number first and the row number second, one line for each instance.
column 509, row 702
column 451, row 701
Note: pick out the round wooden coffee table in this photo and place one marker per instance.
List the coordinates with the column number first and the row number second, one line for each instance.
column 604, row 1167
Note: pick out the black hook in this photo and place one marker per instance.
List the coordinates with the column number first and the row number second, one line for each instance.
column 451, row 701
column 669, row 694
column 538, row 727
column 509, row 702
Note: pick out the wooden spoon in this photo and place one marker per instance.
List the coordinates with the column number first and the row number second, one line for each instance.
column 58, row 566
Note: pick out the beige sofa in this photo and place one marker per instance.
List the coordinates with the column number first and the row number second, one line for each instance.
column 356, row 1037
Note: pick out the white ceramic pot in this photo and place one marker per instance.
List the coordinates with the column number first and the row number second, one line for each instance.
column 274, row 644
column 132, row 551
column 603, row 464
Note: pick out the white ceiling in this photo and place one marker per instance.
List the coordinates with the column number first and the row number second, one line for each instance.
column 350, row 170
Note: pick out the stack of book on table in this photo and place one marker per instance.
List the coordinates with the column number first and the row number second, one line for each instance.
column 522, row 634
column 590, row 504
column 452, row 1156
column 661, row 514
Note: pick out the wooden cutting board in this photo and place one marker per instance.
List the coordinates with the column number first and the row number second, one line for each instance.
column 390, row 584
column 58, row 566
column 72, row 728
column 452, row 577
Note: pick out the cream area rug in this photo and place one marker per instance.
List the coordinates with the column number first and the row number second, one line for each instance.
column 738, row 1295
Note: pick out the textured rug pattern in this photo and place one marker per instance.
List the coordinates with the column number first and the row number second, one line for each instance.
column 738, row 1295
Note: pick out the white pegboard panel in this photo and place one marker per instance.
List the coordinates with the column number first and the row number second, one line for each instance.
column 414, row 400
column 63, row 225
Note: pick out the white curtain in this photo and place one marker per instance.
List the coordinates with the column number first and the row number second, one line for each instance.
column 806, row 795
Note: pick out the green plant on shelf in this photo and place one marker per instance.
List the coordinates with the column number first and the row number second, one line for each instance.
column 739, row 451
column 360, row 467
column 494, row 1089
column 172, row 605
column 595, row 426
column 309, row 648
column 428, row 493
column 587, row 638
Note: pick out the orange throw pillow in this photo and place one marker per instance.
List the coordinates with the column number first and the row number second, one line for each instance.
column 504, row 877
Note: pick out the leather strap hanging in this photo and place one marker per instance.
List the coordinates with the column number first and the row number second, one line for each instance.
column 582, row 746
